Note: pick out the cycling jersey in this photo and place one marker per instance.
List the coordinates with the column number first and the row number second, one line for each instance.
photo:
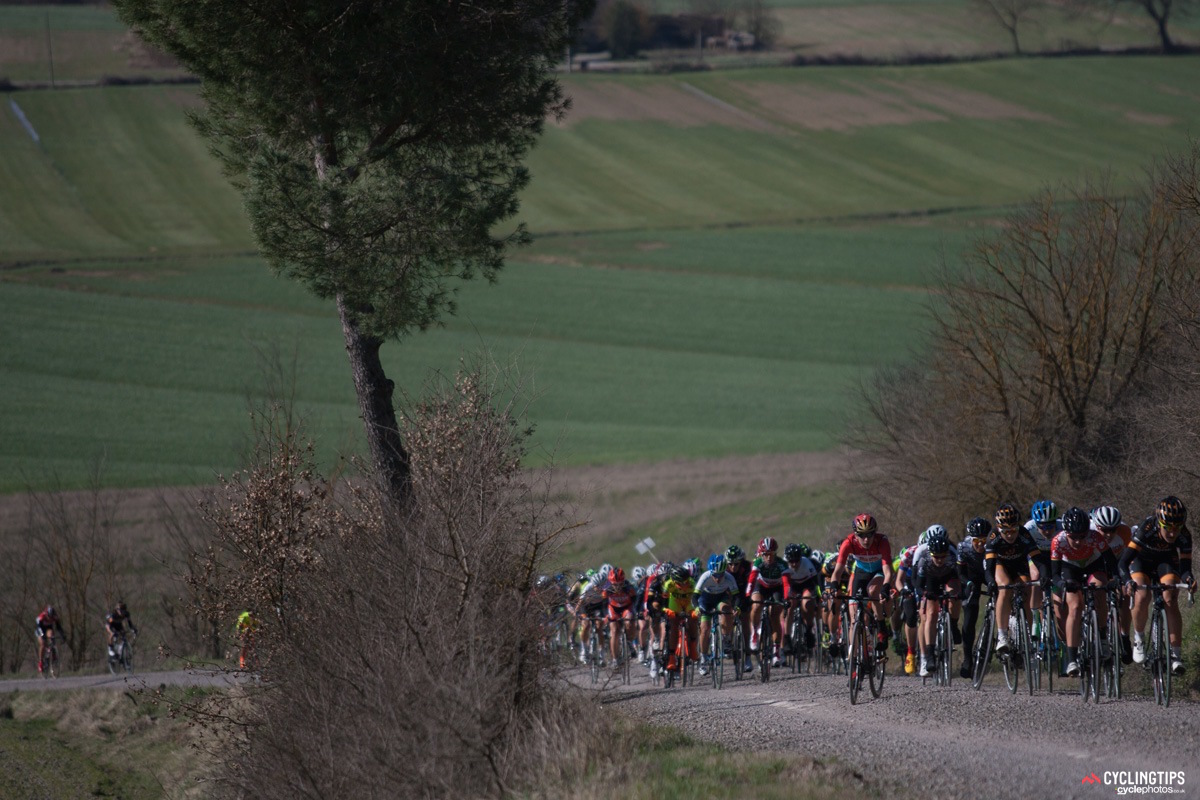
column 868, row 559
column 47, row 622
column 1078, row 553
column 115, row 621
column 1149, row 553
column 1014, row 556
column 801, row 572
column 716, row 584
column 741, row 573
column 678, row 595
column 926, row 569
column 970, row 564
column 1118, row 539
column 770, row 577
column 620, row 596
column 1042, row 536
column 906, row 560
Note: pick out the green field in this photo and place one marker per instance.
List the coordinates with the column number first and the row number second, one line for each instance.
column 721, row 257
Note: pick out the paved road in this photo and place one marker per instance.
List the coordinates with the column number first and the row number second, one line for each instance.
column 138, row 680
column 928, row 742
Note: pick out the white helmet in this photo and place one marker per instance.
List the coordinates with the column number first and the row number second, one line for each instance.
column 639, row 574
column 933, row 530
column 1106, row 517
column 605, row 572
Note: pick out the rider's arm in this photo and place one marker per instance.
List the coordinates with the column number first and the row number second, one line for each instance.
column 1126, row 561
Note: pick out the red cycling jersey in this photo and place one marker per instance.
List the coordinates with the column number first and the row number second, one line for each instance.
column 867, row 559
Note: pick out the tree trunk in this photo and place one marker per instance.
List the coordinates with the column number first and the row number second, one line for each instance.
column 374, row 391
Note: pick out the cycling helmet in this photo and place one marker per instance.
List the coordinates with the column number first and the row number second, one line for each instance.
column 938, row 543
column 979, row 528
column 734, row 554
column 680, row 574
column 805, row 550
column 692, row 565
column 936, row 530
column 864, row 525
column 666, row 569
column 768, row 545
column 50, row 610
column 591, row 573
column 639, row 574
column 716, row 564
column 817, row 557
column 543, row 582
column 605, row 572
column 1106, row 517
column 1171, row 511
column 830, row 561
column 617, row 576
column 791, row 553
column 1075, row 521
column 1006, row 516
column 1044, row 512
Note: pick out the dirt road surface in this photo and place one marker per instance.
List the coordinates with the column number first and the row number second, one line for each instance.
column 932, row 743
column 134, row 682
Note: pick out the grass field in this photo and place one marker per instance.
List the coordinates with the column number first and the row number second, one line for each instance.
column 721, row 257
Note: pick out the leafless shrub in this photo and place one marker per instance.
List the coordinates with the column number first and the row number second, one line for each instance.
column 1038, row 347
column 18, row 600
column 400, row 648
column 1011, row 15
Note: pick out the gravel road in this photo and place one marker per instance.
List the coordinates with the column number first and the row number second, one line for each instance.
column 929, row 742
column 136, row 681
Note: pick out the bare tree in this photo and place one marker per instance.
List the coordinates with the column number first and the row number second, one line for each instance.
column 1037, row 347
column 1011, row 15
column 18, row 601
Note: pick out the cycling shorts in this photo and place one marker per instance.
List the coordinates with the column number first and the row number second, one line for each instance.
column 1072, row 573
column 863, row 579
column 1155, row 565
column 709, row 603
column 1015, row 570
column 762, row 593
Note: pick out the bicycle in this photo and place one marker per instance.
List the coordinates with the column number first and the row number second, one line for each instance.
column 50, row 666
column 716, row 646
column 1019, row 654
column 765, row 638
column 624, row 662
column 1115, row 668
column 864, row 657
column 1091, row 663
column 797, row 635
column 737, row 650
column 120, row 654
column 1047, row 648
column 943, row 649
column 684, row 668
column 596, row 644
column 1158, row 649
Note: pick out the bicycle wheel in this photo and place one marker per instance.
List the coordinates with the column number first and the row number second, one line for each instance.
column 1026, row 650
column 623, row 655
column 1164, row 657
column 983, row 647
column 844, row 659
column 717, row 650
column 1012, row 676
column 857, row 645
column 114, row 659
column 1053, row 661
column 878, row 664
column 764, row 644
column 1114, row 667
column 1091, row 644
column 796, row 637
column 819, row 654
column 738, row 651
column 687, row 667
column 946, row 646
column 54, row 662
column 594, row 657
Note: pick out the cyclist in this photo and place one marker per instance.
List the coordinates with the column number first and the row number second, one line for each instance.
column 1006, row 559
column 935, row 572
column 907, row 606
column 972, row 575
column 247, row 624
column 114, row 625
column 1107, row 521
column 590, row 606
column 46, row 622
column 871, row 553
column 619, row 594
column 737, row 565
column 1081, row 556
column 1160, row 551
column 640, row 576
column 656, row 603
column 833, row 606
column 1043, row 525
column 678, row 589
column 804, row 589
column 768, row 580
column 714, row 592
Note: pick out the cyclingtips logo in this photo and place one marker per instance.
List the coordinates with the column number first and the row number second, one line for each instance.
column 1140, row 782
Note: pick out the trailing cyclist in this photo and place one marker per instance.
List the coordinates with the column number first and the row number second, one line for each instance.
column 907, row 607
column 768, row 581
column 656, row 605
column 619, row 594
column 833, row 606
column 870, row 571
column 591, row 606
column 804, row 589
column 1006, row 559
column 1081, row 556
column 1160, row 553
column 46, row 622
column 714, row 593
column 1043, row 525
column 737, row 565
column 935, row 573
column 640, row 577
column 1107, row 521
column 678, row 589
column 114, row 625
column 972, row 575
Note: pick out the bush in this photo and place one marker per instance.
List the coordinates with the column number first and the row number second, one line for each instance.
column 399, row 647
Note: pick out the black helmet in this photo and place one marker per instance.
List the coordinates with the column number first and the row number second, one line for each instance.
column 979, row 528
column 1075, row 521
column 1007, row 516
column 792, row 553
column 938, row 544
column 1171, row 511
column 680, row 574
